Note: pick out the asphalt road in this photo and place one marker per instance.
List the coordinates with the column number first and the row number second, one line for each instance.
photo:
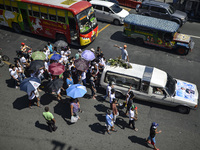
column 24, row 128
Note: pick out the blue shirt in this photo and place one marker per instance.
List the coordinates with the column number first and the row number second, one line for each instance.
column 109, row 119
column 50, row 48
column 69, row 82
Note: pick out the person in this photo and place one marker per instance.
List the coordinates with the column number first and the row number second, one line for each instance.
column 153, row 132
column 50, row 47
column 108, row 89
column 24, row 49
column 98, row 52
column 132, row 117
column 83, row 77
column 15, row 76
column 129, row 100
column 109, row 121
column 20, row 71
column 112, row 96
column 24, row 61
column 78, row 55
column 114, row 109
column 158, row 91
column 46, row 51
column 124, row 53
column 69, row 80
column 75, row 108
column 48, row 116
column 32, row 95
column 92, row 87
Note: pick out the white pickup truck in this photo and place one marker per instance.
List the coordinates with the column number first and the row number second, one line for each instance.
column 153, row 85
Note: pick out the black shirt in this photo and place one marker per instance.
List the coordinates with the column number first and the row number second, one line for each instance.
column 152, row 132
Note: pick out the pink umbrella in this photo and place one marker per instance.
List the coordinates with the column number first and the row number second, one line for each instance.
column 56, row 68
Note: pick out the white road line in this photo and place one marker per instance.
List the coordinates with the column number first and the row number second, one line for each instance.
column 195, row 36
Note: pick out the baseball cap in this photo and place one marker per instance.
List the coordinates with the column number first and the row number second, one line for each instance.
column 22, row 43
column 155, row 125
column 79, row 50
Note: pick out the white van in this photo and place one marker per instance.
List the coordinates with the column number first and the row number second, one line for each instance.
column 153, row 85
column 109, row 11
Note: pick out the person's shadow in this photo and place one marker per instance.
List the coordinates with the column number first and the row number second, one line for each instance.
column 121, row 123
column 138, row 140
column 101, row 108
column 42, row 126
column 21, row 102
column 98, row 128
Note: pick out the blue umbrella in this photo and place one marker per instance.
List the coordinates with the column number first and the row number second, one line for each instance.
column 88, row 55
column 76, row 91
column 55, row 56
column 29, row 84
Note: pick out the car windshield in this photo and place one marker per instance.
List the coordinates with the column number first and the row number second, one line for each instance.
column 116, row 8
column 170, row 86
column 171, row 9
column 86, row 20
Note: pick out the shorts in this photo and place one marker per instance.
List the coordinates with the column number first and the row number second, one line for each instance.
column 37, row 94
column 109, row 127
column 153, row 140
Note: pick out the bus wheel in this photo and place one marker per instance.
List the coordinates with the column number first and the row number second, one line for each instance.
column 116, row 22
column 182, row 51
column 139, row 41
column 17, row 27
column 183, row 109
column 60, row 37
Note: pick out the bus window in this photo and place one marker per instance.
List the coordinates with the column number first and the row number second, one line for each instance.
column 30, row 10
column 144, row 87
column 1, row 6
column 7, row 5
column 72, row 23
column 35, row 9
column 61, row 16
column 43, row 11
column 52, row 14
column 8, row 8
column 14, row 7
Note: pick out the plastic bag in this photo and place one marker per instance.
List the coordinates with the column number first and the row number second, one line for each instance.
column 74, row 119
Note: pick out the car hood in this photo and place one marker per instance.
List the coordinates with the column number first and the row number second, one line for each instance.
column 181, row 38
column 123, row 13
column 187, row 92
column 179, row 14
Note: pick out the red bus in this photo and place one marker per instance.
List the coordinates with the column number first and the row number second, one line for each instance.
column 70, row 20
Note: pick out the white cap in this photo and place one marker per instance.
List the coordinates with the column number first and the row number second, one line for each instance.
column 92, row 49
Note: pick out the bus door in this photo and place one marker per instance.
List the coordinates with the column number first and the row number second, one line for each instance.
column 25, row 20
column 73, row 31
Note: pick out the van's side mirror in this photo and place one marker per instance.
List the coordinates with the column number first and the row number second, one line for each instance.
column 137, row 7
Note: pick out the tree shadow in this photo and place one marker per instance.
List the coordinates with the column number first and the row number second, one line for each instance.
column 101, row 108
column 21, row 102
column 98, row 128
column 10, row 83
column 101, row 117
column 41, row 126
column 138, row 140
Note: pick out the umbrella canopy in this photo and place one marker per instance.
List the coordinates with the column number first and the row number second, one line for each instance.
column 56, row 68
column 29, row 84
column 76, row 91
column 36, row 65
column 54, row 85
column 88, row 55
column 38, row 55
column 55, row 56
column 60, row 43
column 81, row 64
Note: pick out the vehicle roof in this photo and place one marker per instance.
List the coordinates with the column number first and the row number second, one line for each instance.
column 152, row 2
column 102, row 3
column 155, row 76
column 75, row 6
column 152, row 23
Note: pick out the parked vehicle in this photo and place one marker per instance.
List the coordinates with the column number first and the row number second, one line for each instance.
column 152, row 85
column 108, row 11
column 130, row 3
column 157, row 32
column 161, row 10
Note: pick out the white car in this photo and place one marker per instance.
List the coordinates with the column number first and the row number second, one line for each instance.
column 153, row 85
column 108, row 11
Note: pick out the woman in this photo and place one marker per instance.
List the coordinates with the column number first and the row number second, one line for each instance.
column 69, row 80
column 114, row 109
column 75, row 108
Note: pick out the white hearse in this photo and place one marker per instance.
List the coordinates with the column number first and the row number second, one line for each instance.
column 153, row 85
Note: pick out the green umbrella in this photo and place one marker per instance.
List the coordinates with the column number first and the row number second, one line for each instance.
column 38, row 55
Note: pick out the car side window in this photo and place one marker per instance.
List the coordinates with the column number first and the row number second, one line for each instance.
column 144, row 87
column 156, row 9
column 162, row 10
column 106, row 9
column 158, row 91
column 145, row 7
column 98, row 7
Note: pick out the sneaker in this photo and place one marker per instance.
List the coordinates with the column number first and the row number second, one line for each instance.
column 136, row 129
column 16, row 87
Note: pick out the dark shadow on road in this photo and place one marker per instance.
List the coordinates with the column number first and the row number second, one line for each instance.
column 121, row 123
column 21, row 102
column 138, row 140
column 41, row 126
column 46, row 99
column 87, row 96
column 10, row 83
column 101, row 117
column 58, row 145
column 101, row 108
column 98, row 128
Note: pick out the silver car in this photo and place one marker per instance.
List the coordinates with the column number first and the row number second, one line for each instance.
column 161, row 10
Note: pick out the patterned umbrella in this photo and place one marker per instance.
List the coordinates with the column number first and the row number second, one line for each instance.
column 88, row 55
column 30, row 84
column 54, row 56
column 38, row 55
column 81, row 64
column 56, row 68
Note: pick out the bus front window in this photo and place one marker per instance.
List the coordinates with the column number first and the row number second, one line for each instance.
column 86, row 20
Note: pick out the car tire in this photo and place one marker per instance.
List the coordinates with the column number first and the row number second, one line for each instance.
column 183, row 109
column 182, row 51
column 5, row 58
column 16, row 27
column 139, row 41
column 116, row 22
column 60, row 37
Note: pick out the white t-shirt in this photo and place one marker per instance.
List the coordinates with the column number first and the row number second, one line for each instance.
column 131, row 114
column 83, row 75
column 112, row 96
column 108, row 89
column 14, row 73
column 23, row 60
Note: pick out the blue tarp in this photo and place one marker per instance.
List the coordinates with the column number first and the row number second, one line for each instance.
column 152, row 23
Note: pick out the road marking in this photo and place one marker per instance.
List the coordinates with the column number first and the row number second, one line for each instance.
column 8, row 63
column 104, row 28
column 128, row 9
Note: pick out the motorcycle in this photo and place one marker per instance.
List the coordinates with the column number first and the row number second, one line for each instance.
column 3, row 58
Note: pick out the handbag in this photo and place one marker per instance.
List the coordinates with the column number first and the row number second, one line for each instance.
column 74, row 119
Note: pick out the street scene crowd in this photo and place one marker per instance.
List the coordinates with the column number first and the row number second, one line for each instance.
column 70, row 75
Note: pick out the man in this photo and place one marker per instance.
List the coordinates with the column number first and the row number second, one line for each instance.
column 108, row 90
column 109, row 121
column 50, row 119
column 153, row 132
column 32, row 95
column 132, row 117
column 124, row 53
column 92, row 86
